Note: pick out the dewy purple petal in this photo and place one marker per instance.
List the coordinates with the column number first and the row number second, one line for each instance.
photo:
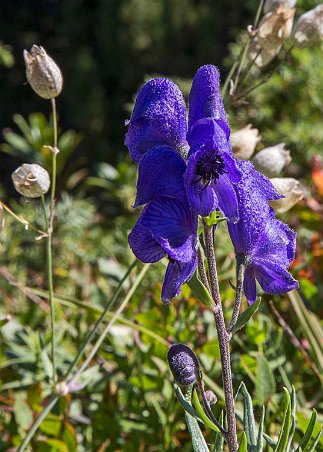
column 158, row 118
column 144, row 247
column 205, row 99
column 173, row 226
column 160, row 173
column 176, row 275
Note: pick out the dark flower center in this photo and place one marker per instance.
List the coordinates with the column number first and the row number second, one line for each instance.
column 210, row 167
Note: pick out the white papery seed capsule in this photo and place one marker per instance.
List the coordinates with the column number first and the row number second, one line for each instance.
column 270, row 161
column 309, row 28
column 244, row 142
column 31, row 181
column 42, row 73
column 270, row 5
column 288, row 187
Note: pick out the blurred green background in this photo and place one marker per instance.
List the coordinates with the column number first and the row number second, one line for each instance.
column 106, row 50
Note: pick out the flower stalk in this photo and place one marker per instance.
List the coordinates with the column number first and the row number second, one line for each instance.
column 223, row 340
column 241, row 267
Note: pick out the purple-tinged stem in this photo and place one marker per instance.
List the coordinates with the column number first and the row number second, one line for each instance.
column 223, row 340
column 241, row 267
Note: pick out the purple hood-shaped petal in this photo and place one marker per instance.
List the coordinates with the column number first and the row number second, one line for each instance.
column 205, row 99
column 158, row 118
column 267, row 243
column 160, row 173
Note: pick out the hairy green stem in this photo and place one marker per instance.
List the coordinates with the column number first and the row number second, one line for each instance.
column 223, row 340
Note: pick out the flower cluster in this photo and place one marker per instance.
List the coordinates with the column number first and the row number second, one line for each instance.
column 187, row 169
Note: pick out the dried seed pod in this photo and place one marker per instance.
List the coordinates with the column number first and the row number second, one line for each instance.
column 273, row 28
column 244, row 142
column 42, row 73
column 270, row 161
column 309, row 28
column 183, row 363
column 289, row 188
column 271, row 5
column 31, row 181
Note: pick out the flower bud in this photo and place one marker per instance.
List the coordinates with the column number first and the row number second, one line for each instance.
column 244, row 142
column 31, row 181
column 309, row 28
column 42, row 73
column 270, row 161
column 274, row 27
column 183, row 363
column 211, row 397
column 271, row 5
column 288, row 187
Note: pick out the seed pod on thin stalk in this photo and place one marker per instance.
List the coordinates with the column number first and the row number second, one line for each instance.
column 309, row 28
column 270, row 161
column 42, row 73
column 31, row 181
column 273, row 29
column 289, row 188
column 244, row 142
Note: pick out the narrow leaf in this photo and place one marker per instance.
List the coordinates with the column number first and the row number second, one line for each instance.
column 200, row 291
column 309, row 432
column 201, row 413
column 293, row 425
column 316, row 441
column 284, row 433
column 265, row 381
column 260, row 439
column 182, row 400
column 219, row 440
column 243, row 443
column 270, row 441
column 248, row 417
column 246, row 315
column 198, row 441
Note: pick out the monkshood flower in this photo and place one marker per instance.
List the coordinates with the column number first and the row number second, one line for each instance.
column 167, row 228
column 159, row 120
column 183, row 364
column 265, row 244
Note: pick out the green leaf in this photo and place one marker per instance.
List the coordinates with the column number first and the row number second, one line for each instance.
column 260, row 439
column 198, row 441
column 293, row 426
column 243, row 443
column 47, row 364
column 246, row 315
column 201, row 413
column 272, row 443
column 316, row 441
column 265, row 380
column 200, row 291
column 219, row 440
column 308, row 434
column 284, row 433
column 249, row 423
column 182, row 400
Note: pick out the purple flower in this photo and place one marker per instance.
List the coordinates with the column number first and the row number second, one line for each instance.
column 266, row 244
column 183, row 363
column 159, row 121
column 167, row 228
